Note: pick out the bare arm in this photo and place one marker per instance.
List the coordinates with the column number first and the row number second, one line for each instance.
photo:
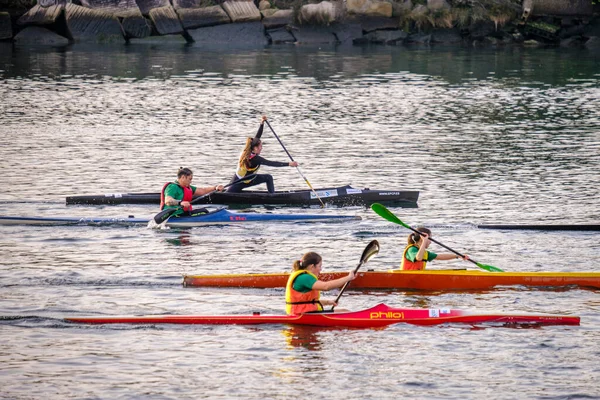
column 328, row 285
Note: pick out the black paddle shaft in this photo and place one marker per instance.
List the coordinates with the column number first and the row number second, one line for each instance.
column 369, row 251
column 279, row 140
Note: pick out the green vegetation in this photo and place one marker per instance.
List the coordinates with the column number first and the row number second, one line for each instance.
column 462, row 14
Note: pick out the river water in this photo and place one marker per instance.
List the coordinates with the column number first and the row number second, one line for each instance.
column 505, row 136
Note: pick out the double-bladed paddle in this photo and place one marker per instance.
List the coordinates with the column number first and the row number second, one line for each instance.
column 165, row 214
column 371, row 249
column 297, row 168
column 387, row 214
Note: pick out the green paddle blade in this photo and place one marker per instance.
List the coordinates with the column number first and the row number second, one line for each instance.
column 490, row 268
column 387, row 214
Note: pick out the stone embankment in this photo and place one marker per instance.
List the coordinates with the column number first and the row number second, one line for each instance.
column 245, row 23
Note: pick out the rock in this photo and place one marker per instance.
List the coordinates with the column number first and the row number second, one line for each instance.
column 276, row 18
column 593, row 43
column 386, row 37
column 280, row 35
column 200, row 17
column 370, row 24
column 348, row 33
column 373, row 8
column 166, row 21
column 36, row 35
column 419, row 38
column 264, row 5
column 116, row 8
column 322, row 13
column 246, row 34
column 136, row 27
column 146, row 6
column 87, row 25
column 39, row 15
column 307, row 34
column 241, row 11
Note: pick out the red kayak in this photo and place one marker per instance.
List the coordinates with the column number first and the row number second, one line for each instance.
column 379, row 316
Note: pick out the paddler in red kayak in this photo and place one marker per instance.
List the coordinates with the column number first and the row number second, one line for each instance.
column 303, row 289
column 250, row 161
column 181, row 192
column 416, row 255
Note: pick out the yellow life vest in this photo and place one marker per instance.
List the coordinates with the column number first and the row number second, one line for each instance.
column 413, row 265
column 243, row 170
column 297, row 302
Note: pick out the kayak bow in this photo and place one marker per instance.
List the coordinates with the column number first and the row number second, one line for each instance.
column 376, row 317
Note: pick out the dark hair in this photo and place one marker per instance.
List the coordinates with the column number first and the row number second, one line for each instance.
column 184, row 172
column 255, row 142
column 414, row 238
column 307, row 260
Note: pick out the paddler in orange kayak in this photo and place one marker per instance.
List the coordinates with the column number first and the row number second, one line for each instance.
column 303, row 288
column 416, row 255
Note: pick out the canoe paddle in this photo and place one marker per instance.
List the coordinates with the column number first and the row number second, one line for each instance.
column 387, row 214
column 369, row 251
column 165, row 214
column 298, row 168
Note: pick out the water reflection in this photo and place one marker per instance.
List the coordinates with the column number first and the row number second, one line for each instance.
column 303, row 336
column 163, row 61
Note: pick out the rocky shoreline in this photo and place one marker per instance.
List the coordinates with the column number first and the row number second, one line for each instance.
column 233, row 23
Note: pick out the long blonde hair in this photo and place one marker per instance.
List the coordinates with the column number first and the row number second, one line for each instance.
column 245, row 156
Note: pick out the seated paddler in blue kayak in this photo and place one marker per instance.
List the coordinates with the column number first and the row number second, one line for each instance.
column 179, row 194
column 416, row 255
column 303, row 288
column 250, row 161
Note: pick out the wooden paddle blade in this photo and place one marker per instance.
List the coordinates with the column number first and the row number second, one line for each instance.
column 164, row 215
column 383, row 212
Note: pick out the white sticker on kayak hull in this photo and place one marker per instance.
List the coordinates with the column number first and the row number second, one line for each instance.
column 435, row 313
column 325, row 193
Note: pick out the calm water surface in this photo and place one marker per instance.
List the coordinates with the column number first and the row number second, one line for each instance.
column 509, row 136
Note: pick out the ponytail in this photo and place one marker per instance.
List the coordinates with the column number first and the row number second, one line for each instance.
column 245, row 156
column 414, row 237
column 310, row 258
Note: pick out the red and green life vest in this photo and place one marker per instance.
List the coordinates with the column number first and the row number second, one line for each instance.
column 188, row 195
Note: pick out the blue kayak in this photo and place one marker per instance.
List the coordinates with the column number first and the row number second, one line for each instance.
column 220, row 216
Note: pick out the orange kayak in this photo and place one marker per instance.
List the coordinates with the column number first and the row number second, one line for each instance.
column 412, row 280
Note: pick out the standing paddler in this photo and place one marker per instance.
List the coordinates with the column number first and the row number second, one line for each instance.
column 250, row 161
